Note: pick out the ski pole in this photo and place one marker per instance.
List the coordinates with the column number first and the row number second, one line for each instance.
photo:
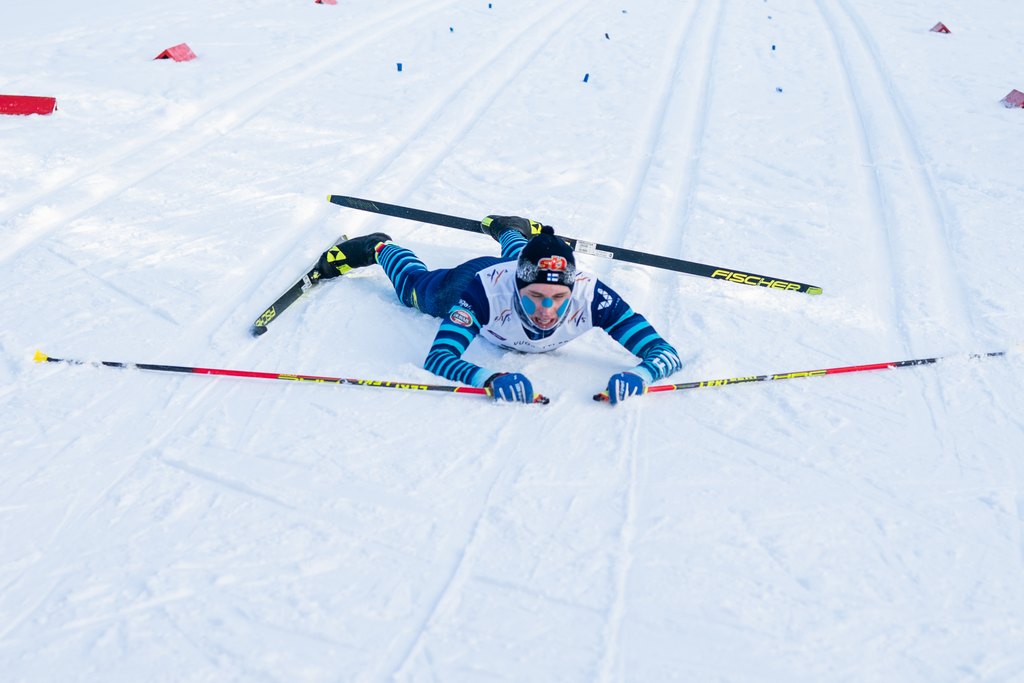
column 41, row 357
column 657, row 388
column 584, row 247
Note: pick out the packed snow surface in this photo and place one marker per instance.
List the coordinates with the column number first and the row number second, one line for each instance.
column 179, row 527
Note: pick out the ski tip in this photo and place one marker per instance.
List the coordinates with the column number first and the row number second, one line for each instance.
column 603, row 396
column 257, row 330
column 814, row 290
column 40, row 357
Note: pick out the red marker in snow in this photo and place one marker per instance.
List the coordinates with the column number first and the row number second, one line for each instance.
column 1013, row 100
column 179, row 53
column 26, row 104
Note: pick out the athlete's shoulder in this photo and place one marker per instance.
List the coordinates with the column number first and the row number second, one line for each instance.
column 496, row 274
column 606, row 305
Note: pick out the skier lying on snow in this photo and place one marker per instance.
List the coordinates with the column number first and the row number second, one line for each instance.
column 530, row 299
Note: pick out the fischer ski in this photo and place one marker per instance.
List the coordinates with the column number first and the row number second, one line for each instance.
column 584, row 247
column 309, row 280
column 657, row 388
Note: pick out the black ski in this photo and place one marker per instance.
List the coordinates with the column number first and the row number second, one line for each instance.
column 584, row 247
column 291, row 295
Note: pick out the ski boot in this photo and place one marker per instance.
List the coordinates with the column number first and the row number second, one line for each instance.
column 357, row 252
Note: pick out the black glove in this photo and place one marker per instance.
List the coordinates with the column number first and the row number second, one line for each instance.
column 495, row 225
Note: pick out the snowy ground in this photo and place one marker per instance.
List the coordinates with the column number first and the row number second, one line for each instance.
column 182, row 528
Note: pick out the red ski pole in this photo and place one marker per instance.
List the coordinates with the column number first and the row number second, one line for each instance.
column 702, row 384
column 41, row 357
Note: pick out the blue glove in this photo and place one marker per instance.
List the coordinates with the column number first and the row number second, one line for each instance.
column 505, row 386
column 622, row 385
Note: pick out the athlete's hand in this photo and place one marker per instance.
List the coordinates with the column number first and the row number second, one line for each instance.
column 505, row 386
column 622, row 385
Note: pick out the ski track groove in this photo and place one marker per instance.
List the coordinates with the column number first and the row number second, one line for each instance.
column 883, row 134
column 657, row 127
column 940, row 223
column 681, row 212
column 670, row 157
column 891, row 145
column 673, row 151
column 871, row 183
column 108, row 283
column 408, row 645
column 207, row 126
column 155, row 603
column 539, row 33
column 540, row 596
column 935, row 229
column 1010, row 474
column 25, row 614
column 220, row 481
column 612, row 666
column 124, row 466
column 303, row 513
column 676, row 149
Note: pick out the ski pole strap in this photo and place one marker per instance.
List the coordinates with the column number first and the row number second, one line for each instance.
column 584, row 247
column 41, row 357
column 703, row 384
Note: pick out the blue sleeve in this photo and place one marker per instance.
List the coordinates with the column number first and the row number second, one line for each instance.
column 658, row 359
column 457, row 331
column 512, row 242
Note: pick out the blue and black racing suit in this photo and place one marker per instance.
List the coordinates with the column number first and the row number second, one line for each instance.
column 480, row 298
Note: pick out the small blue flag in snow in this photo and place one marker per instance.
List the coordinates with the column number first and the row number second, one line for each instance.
column 399, row 66
column 586, row 77
column 778, row 89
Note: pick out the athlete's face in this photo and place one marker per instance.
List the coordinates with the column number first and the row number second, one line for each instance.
column 545, row 303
